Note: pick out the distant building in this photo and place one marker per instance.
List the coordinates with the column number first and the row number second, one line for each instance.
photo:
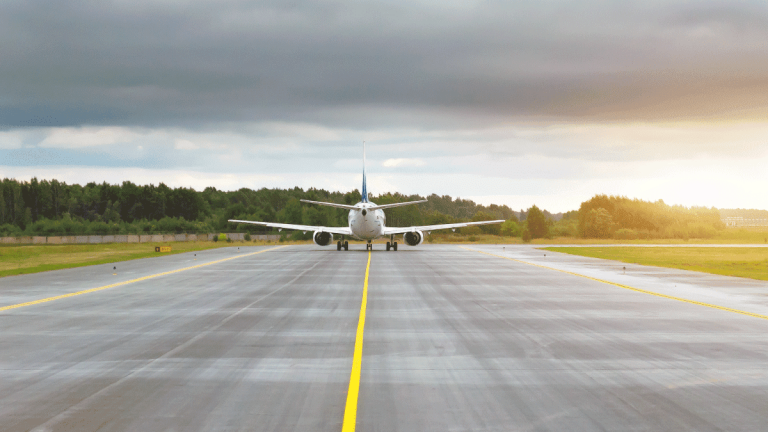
column 738, row 221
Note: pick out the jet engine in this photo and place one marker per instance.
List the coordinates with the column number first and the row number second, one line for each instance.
column 322, row 238
column 413, row 238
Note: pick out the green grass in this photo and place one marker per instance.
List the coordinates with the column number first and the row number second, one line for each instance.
column 742, row 262
column 16, row 260
column 726, row 236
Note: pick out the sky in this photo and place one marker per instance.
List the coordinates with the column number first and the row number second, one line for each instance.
column 516, row 103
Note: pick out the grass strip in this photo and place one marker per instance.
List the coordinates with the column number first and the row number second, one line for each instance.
column 17, row 260
column 741, row 262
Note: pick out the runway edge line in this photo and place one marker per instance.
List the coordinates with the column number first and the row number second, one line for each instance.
column 59, row 297
column 350, row 411
column 684, row 300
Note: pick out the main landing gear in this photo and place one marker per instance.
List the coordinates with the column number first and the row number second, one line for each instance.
column 392, row 244
column 340, row 245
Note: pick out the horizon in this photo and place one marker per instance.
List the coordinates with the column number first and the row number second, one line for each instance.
column 425, row 196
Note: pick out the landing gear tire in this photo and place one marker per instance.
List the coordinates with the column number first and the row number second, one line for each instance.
column 346, row 245
column 394, row 245
column 338, row 245
column 389, row 246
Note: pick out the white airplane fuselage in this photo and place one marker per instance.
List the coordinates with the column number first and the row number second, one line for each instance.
column 367, row 224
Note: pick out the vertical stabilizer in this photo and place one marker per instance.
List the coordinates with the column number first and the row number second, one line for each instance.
column 364, row 192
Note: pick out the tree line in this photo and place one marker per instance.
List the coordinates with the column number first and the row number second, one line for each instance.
column 50, row 207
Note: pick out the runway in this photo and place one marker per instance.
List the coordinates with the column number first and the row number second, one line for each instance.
column 481, row 338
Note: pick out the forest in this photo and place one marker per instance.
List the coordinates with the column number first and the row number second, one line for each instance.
column 51, row 207
column 43, row 207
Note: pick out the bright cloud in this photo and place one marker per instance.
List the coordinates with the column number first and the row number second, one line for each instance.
column 182, row 144
column 395, row 163
column 87, row 137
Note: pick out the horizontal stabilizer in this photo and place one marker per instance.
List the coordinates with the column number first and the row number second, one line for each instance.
column 385, row 206
column 344, row 206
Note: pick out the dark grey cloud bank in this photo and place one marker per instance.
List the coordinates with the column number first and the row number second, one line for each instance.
column 374, row 64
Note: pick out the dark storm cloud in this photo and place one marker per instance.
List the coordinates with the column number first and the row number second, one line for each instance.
column 375, row 63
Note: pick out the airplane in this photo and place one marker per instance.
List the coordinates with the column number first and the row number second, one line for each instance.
column 367, row 222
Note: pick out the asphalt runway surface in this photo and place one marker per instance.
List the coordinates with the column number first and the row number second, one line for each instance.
column 454, row 340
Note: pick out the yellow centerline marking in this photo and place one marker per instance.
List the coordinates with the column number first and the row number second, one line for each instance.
column 45, row 300
column 709, row 305
column 350, row 411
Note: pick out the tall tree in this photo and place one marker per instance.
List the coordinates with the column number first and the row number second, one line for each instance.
column 537, row 223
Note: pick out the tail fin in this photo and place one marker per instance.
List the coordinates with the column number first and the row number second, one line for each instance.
column 364, row 193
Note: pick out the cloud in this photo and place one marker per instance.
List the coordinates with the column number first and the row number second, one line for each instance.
column 394, row 163
column 170, row 64
column 11, row 139
column 182, row 144
column 87, row 137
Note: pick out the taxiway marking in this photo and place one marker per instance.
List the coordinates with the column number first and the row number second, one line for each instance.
column 709, row 305
column 59, row 297
column 350, row 411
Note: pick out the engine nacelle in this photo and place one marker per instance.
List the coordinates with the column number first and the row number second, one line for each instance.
column 413, row 238
column 322, row 238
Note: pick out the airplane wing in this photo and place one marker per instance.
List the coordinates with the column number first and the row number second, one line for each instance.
column 332, row 230
column 403, row 230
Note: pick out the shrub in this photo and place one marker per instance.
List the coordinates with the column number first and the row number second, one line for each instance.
column 510, row 228
column 472, row 238
column 215, row 238
column 470, row 230
column 702, row 231
column 565, row 228
column 625, row 234
column 597, row 223
column 247, row 237
column 492, row 229
column 526, row 235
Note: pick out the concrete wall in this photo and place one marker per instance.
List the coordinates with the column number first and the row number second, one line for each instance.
column 130, row 238
column 265, row 237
